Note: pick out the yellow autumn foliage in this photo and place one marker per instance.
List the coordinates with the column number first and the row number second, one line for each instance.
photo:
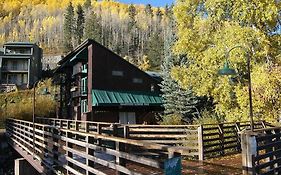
column 207, row 30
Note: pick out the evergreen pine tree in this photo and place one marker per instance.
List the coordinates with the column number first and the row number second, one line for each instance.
column 132, row 16
column 79, row 24
column 148, row 10
column 87, row 4
column 92, row 27
column 132, row 47
column 68, row 27
column 149, row 13
column 177, row 101
column 155, row 50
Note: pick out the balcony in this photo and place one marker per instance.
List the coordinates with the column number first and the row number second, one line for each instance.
column 18, row 50
column 78, row 93
column 14, row 69
column 79, row 70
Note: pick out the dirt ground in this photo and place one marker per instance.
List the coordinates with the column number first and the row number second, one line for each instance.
column 228, row 165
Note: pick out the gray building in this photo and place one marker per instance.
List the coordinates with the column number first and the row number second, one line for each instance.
column 20, row 65
column 50, row 62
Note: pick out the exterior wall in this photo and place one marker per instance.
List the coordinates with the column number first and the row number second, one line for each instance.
column 103, row 72
column 106, row 116
column 21, row 63
column 142, row 117
column 50, row 62
column 105, row 62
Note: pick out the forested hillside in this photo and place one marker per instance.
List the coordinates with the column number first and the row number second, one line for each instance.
column 136, row 32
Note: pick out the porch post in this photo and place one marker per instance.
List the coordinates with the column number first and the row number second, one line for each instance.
column 249, row 150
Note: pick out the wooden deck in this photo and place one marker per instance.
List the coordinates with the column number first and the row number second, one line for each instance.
column 70, row 150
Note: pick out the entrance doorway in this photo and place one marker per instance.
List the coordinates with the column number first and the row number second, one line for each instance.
column 127, row 117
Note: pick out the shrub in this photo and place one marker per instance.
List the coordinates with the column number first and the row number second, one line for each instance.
column 171, row 119
column 208, row 117
column 19, row 104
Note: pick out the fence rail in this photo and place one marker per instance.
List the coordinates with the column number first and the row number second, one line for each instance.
column 77, row 150
column 224, row 138
column 201, row 141
column 174, row 135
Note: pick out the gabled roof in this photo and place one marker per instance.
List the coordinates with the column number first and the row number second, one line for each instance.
column 64, row 62
column 79, row 52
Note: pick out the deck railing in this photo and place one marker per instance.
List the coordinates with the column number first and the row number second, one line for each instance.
column 71, row 147
column 261, row 151
column 187, row 136
column 202, row 141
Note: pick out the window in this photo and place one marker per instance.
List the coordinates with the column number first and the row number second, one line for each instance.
column 84, row 85
column 5, row 65
column 24, row 78
column 137, row 80
column 12, row 78
column 152, row 88
column 19, row 50
column 84, row 106
column 117, row 73
column 14, row 65
column 25, row 65
column 84, row 68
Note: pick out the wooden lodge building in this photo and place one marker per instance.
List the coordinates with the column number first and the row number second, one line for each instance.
column 98, row 85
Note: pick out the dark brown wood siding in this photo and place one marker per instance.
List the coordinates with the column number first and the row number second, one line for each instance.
column 105, row 61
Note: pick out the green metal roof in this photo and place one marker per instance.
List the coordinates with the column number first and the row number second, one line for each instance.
column 82, row 54
column 128, row 98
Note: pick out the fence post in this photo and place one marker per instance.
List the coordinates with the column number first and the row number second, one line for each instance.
column 237, row 125
column 221, row 135
column 121, row 147
column 263, row 123
column 55, row 145
column 200, row 143
column 99, row 131
column 76, row 127
column 69, row 145
column 87, row 126
column 278, row 156
column 45, row 142
column 89, row 151
column 115, row 130
column 249, row 150
column 270, row 149
column 61, row 124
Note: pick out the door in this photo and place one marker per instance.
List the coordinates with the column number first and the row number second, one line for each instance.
column 127, row 117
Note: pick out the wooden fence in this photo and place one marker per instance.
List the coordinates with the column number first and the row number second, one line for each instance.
column 201, row 141
column 187, row 136
column 70, row 150
column 261, row 151
column 224, row 138
column 78, row 125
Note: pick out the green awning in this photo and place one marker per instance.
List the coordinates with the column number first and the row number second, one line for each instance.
column 82, row 54
column 128, row 98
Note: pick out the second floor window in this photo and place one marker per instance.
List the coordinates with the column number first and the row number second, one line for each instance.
column 117, row 73
column 84, row 106
column 19, row 50
column 137, row 80
column 84, row 85
column 14, row 65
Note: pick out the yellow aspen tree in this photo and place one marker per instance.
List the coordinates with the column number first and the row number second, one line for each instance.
column 207, row 29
